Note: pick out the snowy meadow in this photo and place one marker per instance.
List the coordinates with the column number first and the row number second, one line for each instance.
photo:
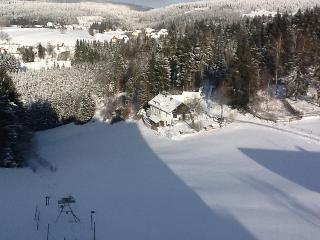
column 195, row 121
column 246, row 181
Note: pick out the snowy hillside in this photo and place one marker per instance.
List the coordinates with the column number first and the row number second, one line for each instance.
column 63, row 12
column 251, row 180
column 135, row 17
column 222, row 9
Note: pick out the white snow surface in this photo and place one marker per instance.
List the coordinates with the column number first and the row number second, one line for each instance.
column 34, row 36
column 250, row 180
column 260, row 13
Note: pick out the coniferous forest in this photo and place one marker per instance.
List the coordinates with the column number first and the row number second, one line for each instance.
column 237, row 59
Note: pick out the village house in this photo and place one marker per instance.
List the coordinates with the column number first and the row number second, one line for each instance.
column 164, row 109
column 50, row 24
column 152, row 33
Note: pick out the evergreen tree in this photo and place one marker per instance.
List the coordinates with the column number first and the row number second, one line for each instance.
column 240, row 85
column 14, row 135
column 41, row 51
column 85, row 108
column 27, row 54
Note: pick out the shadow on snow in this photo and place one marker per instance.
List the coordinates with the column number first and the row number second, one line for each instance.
column 301, row 167
column 135, row 194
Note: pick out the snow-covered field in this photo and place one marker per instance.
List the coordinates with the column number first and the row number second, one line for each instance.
column 260, row 13
column 34, row 36
column 250, row 180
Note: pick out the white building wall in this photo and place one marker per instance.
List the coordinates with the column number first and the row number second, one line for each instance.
column 167, row 118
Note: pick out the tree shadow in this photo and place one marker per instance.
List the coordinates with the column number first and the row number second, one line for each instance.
column 301, row 167
column 42, row 116
column 135, row 195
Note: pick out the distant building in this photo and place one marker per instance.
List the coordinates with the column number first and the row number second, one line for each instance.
column 152, row 33
column 136, row 33
column 163, row 32
column 50, row 24
column 149, row 30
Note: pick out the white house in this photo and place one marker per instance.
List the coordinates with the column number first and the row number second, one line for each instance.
column 50, row 24
column 149, row 31
column 162, row 109
column 152, row 33
column 165, row 109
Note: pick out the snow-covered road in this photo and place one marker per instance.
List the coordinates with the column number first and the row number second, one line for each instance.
column 246, row 181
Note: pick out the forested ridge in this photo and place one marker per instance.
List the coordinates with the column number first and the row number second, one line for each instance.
column 29, row 13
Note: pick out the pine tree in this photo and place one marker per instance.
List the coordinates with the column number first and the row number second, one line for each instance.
column 41, row 51
column 27, row 54
column 240, row 85
column 85, row 108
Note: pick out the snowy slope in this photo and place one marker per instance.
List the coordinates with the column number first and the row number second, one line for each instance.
column 248, row 181
column 33, row 36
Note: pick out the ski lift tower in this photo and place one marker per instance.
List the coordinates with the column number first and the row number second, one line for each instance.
column 64, row 205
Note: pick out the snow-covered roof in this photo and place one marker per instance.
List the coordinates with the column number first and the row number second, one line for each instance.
column 163, row 32
column 185, row 96
column 156, row 35
column 107, row 36
column 165, row 103
column 150, row 30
